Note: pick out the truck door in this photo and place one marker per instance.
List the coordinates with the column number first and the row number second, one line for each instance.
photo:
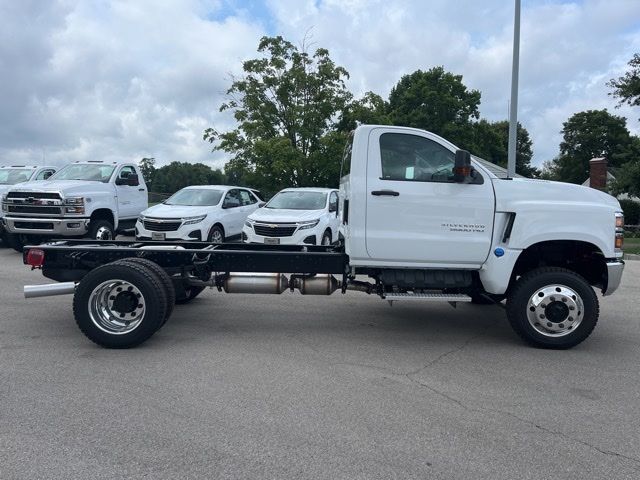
column 416, row 213
column 132, row 199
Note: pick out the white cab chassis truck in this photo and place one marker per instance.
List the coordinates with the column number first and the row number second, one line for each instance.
column 420, row 221
column 93, row 198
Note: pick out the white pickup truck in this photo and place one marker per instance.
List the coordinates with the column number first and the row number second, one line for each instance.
column 94, row 198
column 420, row 221
column 13, row 174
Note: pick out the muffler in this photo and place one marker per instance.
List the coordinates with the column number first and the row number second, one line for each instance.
column 315, row 285
column 254, row 283
column 49, row 290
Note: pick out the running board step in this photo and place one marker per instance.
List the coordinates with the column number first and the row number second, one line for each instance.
column 429, row 297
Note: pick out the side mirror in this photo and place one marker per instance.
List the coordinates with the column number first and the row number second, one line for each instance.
column 333, row 207
column 462, row 168
column 133, row 180
column 47, row 175
column 261, row 204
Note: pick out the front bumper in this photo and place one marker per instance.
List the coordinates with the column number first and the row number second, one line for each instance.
column 65, row 227
column 196, row 231
column 308, row 236
column 614, row 276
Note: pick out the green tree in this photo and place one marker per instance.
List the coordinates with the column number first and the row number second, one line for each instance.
column 587, row 135
column 371, row 109
column 171, row 178
column 148, row 168
column 490, row 141
column 285, row 105
column 627, row 87
column 437, row 101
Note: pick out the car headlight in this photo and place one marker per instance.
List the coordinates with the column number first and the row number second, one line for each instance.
column 193, row 220
column 249, row 223
column 74, row 201
column 307, row 225
column 141, row 218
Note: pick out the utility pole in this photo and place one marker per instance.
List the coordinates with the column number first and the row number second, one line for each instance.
column 513, row 109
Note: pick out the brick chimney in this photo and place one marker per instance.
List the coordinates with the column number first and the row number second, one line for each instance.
column 598, row 173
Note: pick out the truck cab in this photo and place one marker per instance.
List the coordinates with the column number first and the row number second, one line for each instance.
column 405, row 211
column 92, row 198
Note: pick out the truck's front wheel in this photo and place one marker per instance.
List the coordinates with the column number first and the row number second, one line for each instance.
column 120, row 305
column 552, row 307
column 101, row 230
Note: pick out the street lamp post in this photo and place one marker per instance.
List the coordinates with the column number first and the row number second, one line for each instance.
column 513, row 110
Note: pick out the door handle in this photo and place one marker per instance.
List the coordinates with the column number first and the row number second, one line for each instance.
column 389, row 193
column 141, row 189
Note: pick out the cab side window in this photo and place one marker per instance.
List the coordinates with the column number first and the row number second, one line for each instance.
column 333, row 202
column 232, row 199
column 246, row 198
column 44, row 174
column 414, row 158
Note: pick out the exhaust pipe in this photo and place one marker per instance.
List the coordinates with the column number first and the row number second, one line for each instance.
column 315, row 285
column 49, row 290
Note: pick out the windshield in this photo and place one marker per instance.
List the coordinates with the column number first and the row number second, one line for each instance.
column 89, row 172
column 292, row 200
column 195, row 197
column 11, row 176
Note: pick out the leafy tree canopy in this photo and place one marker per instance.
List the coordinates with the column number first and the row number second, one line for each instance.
column 437, row 101
column 176, row 175
column 627, row 87
column 587, row 135
column 285, row 105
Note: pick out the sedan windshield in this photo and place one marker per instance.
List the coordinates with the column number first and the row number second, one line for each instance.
column 296, row 200
column 11, row 176
column 195, row 197
column 89, row 172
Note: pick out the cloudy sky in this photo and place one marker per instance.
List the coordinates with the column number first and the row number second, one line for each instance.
column 127, row 79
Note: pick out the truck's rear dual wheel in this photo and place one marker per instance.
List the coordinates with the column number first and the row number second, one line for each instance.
column 552, row 307
column 162, row 275
column 120, row 305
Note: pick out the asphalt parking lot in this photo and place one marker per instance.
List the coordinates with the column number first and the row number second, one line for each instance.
column 302, row 387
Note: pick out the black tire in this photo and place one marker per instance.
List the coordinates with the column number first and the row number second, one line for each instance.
column 152, row 292
column 190, row 292
column 103, row 229
column 15, row 241
column 518, row 305
column 164, row 278
column 215, row 232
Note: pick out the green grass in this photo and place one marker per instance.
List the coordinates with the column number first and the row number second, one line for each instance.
column 632, row 245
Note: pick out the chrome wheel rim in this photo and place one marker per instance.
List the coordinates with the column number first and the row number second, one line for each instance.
column 116, row 307
column 326, row 240
column 104, row 233
column 216, row 236
column 555, row 310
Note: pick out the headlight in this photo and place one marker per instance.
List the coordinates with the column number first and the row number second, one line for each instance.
column 193, row 220
column 249, row 223
column 141, row 218
column 74, row 201
column 306, row 225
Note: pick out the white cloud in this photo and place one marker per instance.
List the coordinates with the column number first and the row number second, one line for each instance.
column 122, row 79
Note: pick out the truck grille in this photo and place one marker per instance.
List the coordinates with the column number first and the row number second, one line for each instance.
column 168, row 225
column 28, row 209
column 41, row 195
column 275, row 229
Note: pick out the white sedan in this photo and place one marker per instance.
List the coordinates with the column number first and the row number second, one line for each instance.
column 295, row 216
column 213, row 213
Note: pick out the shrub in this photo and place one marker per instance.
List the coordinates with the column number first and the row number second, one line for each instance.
column 631, row 211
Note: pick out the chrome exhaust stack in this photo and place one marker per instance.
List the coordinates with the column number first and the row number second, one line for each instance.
column 49, row 290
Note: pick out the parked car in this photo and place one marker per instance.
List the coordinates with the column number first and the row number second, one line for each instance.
column 15, row 174
column 86, row 198
column 296, row 216
column 214, row 213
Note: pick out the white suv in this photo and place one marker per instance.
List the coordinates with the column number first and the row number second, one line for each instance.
column 212, row 213
column 295, row 216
